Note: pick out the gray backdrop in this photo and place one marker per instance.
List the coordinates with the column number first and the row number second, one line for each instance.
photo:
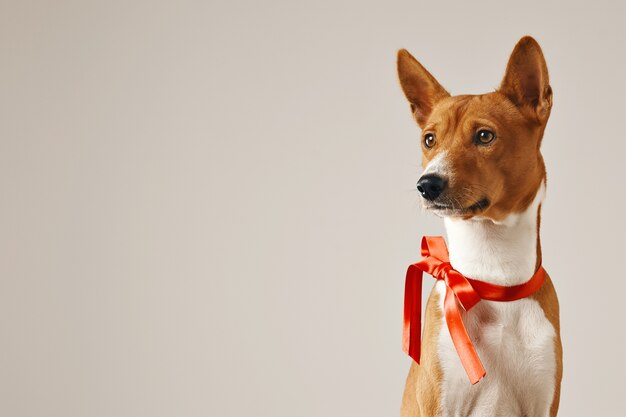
column 208, row 207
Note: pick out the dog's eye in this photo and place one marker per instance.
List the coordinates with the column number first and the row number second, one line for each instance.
column 429, row 140
column 484, row 136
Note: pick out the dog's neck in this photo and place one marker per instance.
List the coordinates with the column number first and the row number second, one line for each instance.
column 502, row 253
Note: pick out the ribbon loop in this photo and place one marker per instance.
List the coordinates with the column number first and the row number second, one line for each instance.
column 468, row 292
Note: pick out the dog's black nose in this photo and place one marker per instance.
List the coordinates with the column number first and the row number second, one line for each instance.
column 431, row 186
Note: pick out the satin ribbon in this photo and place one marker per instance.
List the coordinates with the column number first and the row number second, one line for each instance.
column 468, row 292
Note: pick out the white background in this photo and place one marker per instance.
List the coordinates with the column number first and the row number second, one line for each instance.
column 207, row 208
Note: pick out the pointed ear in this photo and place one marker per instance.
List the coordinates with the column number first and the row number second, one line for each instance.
column 526, row 80
column 419, row 86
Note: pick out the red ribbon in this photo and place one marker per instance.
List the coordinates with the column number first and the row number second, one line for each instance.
column 468, row 292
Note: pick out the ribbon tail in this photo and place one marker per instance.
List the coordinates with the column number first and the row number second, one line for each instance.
column 412, row 328
column 464, row 347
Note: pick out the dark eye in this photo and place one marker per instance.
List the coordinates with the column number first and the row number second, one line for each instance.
column 429, row 140
column 484, row 136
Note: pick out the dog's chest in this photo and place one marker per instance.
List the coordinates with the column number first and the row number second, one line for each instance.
column 515, row 342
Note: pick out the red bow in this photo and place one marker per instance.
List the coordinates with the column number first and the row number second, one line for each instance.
column 467, row 291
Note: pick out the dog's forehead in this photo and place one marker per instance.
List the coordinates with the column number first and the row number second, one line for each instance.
column 453, row 111
column 450, row 109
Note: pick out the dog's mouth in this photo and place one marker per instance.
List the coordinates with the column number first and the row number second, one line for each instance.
column 449, row 209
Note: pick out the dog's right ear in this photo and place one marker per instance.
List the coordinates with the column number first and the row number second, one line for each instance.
column 419, row 86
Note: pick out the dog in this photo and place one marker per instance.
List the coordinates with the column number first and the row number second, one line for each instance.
column 485, row 176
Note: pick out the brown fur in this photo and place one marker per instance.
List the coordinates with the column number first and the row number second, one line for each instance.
column 423, row 381
column 507, row 172
column 547, row 299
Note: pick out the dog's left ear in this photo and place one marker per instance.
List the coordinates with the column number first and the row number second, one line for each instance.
column 526, row 80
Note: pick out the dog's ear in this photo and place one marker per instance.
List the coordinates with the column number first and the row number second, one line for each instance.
column 526, row 80
column 419, row 86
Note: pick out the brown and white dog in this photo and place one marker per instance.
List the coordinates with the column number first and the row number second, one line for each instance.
column 484, row 174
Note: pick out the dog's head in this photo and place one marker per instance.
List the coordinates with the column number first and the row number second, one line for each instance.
column 481, row 153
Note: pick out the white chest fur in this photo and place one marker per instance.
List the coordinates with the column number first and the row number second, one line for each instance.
column 514, row 340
